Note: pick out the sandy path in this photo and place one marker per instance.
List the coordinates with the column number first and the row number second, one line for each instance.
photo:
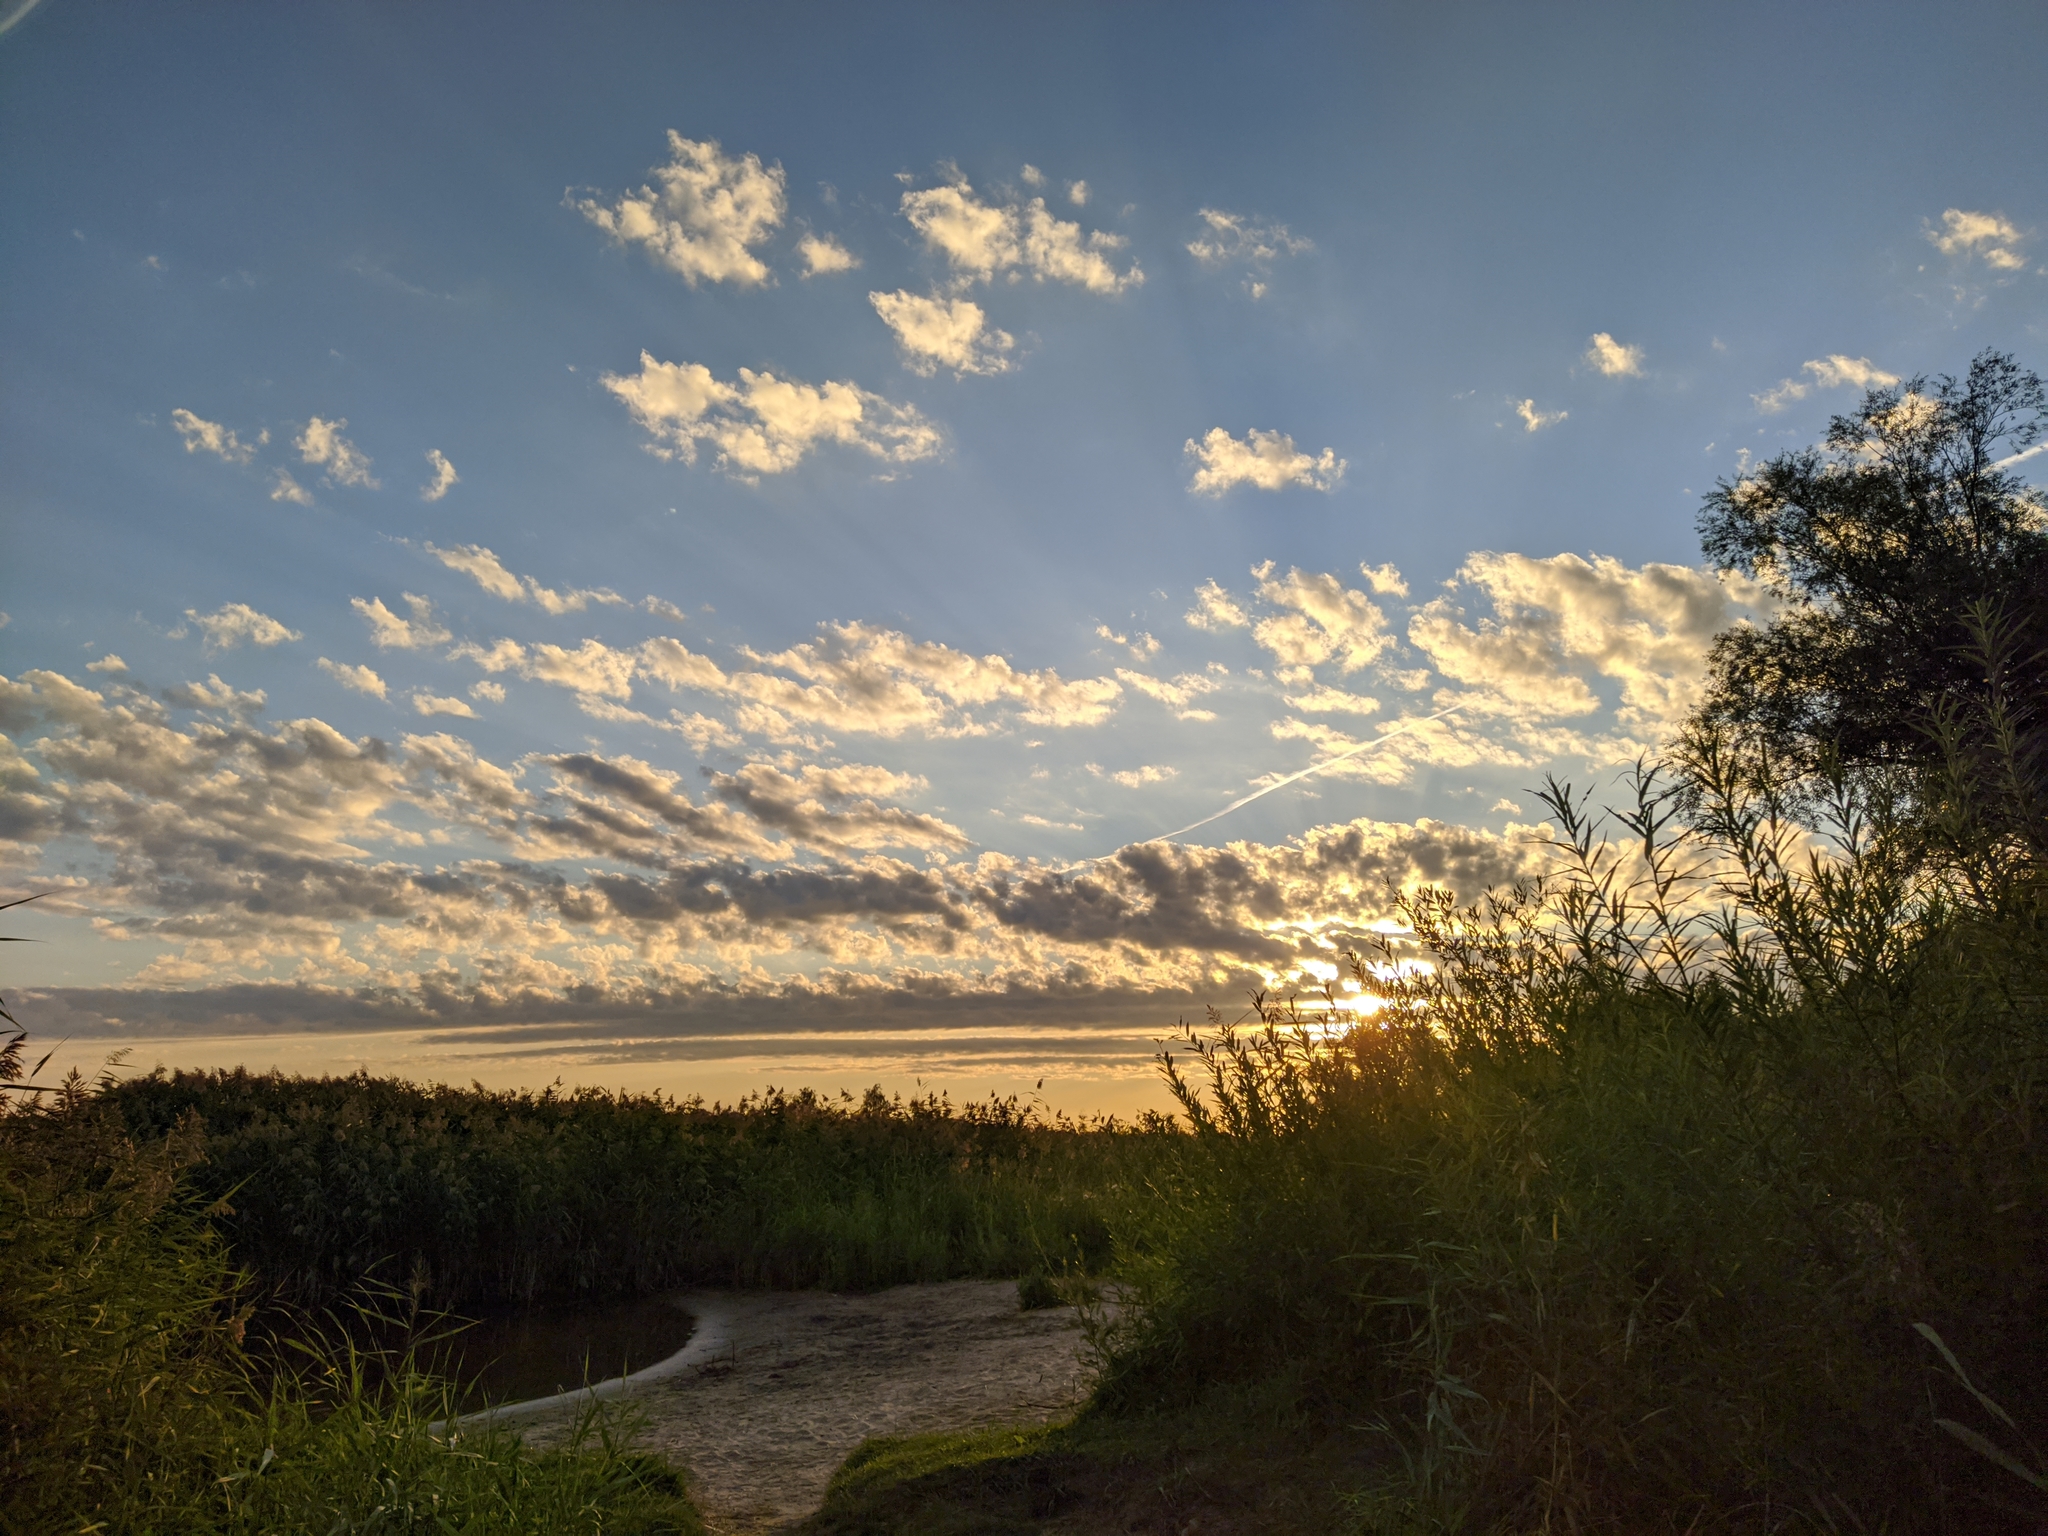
column 783, row 1385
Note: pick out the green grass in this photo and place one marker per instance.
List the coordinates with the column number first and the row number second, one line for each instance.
column 132, row 1399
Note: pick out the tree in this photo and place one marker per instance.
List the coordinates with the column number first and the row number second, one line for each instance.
column 1890, row 548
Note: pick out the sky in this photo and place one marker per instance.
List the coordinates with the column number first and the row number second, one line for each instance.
column 689, row 547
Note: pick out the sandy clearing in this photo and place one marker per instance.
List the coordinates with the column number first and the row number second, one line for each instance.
column 778, row 1387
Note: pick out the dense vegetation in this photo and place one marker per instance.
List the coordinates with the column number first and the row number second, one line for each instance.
column 472, row 1198
column 132, row 1398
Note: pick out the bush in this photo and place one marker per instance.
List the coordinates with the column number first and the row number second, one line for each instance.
column 1682, row 1191
column 131, row 1401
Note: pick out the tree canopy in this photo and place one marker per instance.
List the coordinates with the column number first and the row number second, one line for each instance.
column 1881, row 545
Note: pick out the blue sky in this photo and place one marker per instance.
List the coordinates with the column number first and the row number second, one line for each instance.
column 895, row 459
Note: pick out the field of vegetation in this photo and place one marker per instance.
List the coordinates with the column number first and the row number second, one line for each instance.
column 1700, row 1186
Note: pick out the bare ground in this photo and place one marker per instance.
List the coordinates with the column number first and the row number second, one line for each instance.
column 783, row 1385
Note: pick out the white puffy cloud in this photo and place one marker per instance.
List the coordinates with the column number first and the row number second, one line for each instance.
column 107, row 663
column 981, row 239
column 389, row 632
column 217, row 695
column 823, row 255
column 228, row 626
column 763, row 425
column 200, row 434
column 1559, row 624
column 284, row 488
column 1613, row 358
column 1136, row 778
column 1179, row 695
column 1535, row 420
column 592, row 668
column 1320, row 620
column 703, row 215
column 939, row 333
column 359, row 679
column 1234, row 240
column 1267, row 461
column 427, row 703
column 345, row 464
column 1077, row 193
column 1831, row 372
column 488, row 572
column 1215, row 609
column 444, row 476
column 1989, row 235
column 488, row 691
column 1384, row 579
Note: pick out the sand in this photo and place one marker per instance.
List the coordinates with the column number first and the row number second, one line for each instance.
column 776, row 1388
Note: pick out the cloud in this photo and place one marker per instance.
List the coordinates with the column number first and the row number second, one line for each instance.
column 488, row 691
column 284, row 488
column 389, row 632
column 356, row 678
column 822, row 255
column 1613, row 358
column 764, row 425
column 980, row 240
column 228, row 626
column 1321, row 620
column 444, row 476
column 1384, row 579
column 427, row 703
column 1831, row 372
column 1215, row 609
column 835, row 809
column 345, row 464
column 107, row 663
column 1135, row 778
column 705, row 212
column 1178, row 695
column 1233, row 240
column 1077, row 193
column 1989, row 235
column 939, row 333
column 1536, row 420
column 1561, row 623
column 214, row 438
column 485, row 569
column 1267, row 461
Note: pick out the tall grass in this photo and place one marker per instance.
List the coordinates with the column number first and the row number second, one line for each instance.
column 474, row 1198
column 1701, row 1187
column 131, row 1400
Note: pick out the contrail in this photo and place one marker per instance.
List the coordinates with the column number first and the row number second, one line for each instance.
column 1328, row 762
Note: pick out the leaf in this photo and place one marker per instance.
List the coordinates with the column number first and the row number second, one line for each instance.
column 1990, row 1452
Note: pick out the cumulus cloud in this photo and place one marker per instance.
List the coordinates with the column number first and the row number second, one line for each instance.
column 592, row 668
column 284, row 488
column 1831, row 372
column 444, row 476
column 211, row 437
column 1534, row 420
column 390, row 632
column 107, row 663
column 1135, row 778
column 1267, row 461
column 426, row 703
column 939, row 333
column 230, row 625
column 981, row 239
column 702, row 216
column 1215, row 609
column 763, row 425
column 357, row 679
column 836, row 809
column 1320, row 620
column 1614, row 359
column 1990, row 235
column 488, row 572
column 344, row 463
column 1233, row 240
column 823, row 255
column 1560, row 624
column 1178, row 695
column 1384, row 579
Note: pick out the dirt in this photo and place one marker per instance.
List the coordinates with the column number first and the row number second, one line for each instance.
column 781, row 1386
